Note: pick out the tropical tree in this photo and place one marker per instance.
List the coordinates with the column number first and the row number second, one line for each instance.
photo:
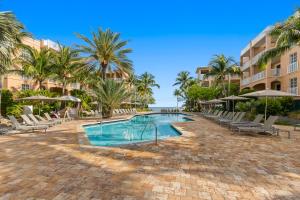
column 222, row 66
column 36, row 64
column 287, row 35
column 183, row 80
column 11, row 33
column 107, row 51
column 66, row 64
column 177, row 93
column 111, row 94
column 145, row 83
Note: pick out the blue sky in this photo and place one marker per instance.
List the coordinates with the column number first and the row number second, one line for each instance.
column 167, row 36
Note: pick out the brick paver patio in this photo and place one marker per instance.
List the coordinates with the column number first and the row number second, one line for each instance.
column 206, row 162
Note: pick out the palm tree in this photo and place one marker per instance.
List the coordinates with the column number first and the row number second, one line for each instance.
column 111, row 94
column 183, row 79
column 36, row 64
column 177, row 93
column 144, row 87
column 108, row 51
column 221, row 66
column 10, row 38
column 287, row 35
column 66, row 65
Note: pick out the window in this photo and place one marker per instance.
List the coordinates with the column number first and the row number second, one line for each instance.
column 293, row 82
column 25, row 87
column 293, row 58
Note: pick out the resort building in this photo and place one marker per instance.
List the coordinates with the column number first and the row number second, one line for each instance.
column 281, row 73
column 15, row 82
column 208, row 81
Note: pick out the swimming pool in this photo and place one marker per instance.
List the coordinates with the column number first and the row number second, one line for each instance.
column 140, row 128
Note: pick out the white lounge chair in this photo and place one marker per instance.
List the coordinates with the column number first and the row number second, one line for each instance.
column 49, row 118
column 267, row 127
column 37, row 122
column 16, row 125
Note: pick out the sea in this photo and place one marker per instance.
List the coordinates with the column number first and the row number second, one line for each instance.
column 158, row 109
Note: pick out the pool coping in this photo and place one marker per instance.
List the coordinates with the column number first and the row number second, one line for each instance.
column 84, row 142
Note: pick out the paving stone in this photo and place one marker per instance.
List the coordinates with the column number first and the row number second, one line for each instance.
column 206, row 162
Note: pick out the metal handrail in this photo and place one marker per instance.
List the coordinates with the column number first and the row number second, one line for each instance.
column 152, row 123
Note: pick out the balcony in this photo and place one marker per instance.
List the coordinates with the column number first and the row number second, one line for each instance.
column 245, row 66
column 201, row 77
column 259, row 76
column 256, row 58
column 246, row 81
column 276, row 72
column 293, row 67
column 293, row 90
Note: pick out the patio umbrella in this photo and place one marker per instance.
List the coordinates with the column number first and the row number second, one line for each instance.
column 68, row 98
column 234, row 98
column 37, row 98
column 215, row 101
column 268, row 93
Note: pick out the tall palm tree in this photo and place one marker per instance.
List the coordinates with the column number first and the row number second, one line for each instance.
column 36, row 64
column 111, row 94
column 177, row 93
column 146, row 82
column 11, row 33
column 108, row 51
column 183, row 79
column 221, row 66
column 66, row 64
column 287, row 35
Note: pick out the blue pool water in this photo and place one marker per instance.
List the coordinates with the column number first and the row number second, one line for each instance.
column 138, row 129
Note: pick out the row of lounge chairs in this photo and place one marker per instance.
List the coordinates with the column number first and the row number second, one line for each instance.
column 36, row 122
column 169, row 110
column 124, row 111
column 93, row 113
column 235, row 121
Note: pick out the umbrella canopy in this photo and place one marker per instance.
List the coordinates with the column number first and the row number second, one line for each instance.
column 234, row 98
column 37, row 98
column 68, row 98
column 268, row 93
column 215, row 101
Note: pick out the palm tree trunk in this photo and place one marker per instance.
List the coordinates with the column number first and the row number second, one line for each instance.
column 40, row 84
column 103, row 70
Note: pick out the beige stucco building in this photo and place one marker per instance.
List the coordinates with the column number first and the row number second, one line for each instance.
column 208, row 81
column 15, row 82
column 281, row 73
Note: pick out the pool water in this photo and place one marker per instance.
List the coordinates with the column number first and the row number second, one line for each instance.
column 138, row 129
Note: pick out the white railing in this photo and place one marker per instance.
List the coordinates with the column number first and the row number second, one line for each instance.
column 256, row 58
column 201, row 77
column 246, row 65
column 118, row 79
column 293, row 90
column 259, row 76
column 246, row 81
column 75, row 86
column 276, row 72
column 26, row 78
column 292, row 67
column 51, row 44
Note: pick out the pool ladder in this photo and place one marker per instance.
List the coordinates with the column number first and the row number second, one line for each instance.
column 156, row 130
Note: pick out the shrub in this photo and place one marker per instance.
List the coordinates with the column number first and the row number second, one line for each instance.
column 84, row 97
column 6, row 101
column 15, row 110
column 274, row 106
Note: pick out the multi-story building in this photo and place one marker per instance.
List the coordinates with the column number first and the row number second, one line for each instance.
column 281, row 73
column 208, row 81
column 15, row 82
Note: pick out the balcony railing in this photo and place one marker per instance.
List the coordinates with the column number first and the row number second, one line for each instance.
column 246, row 65
column 276, row 72
column 246, row 81
column 256, row 58
column 293, row 90
column 292, row 67
column 259, row 76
